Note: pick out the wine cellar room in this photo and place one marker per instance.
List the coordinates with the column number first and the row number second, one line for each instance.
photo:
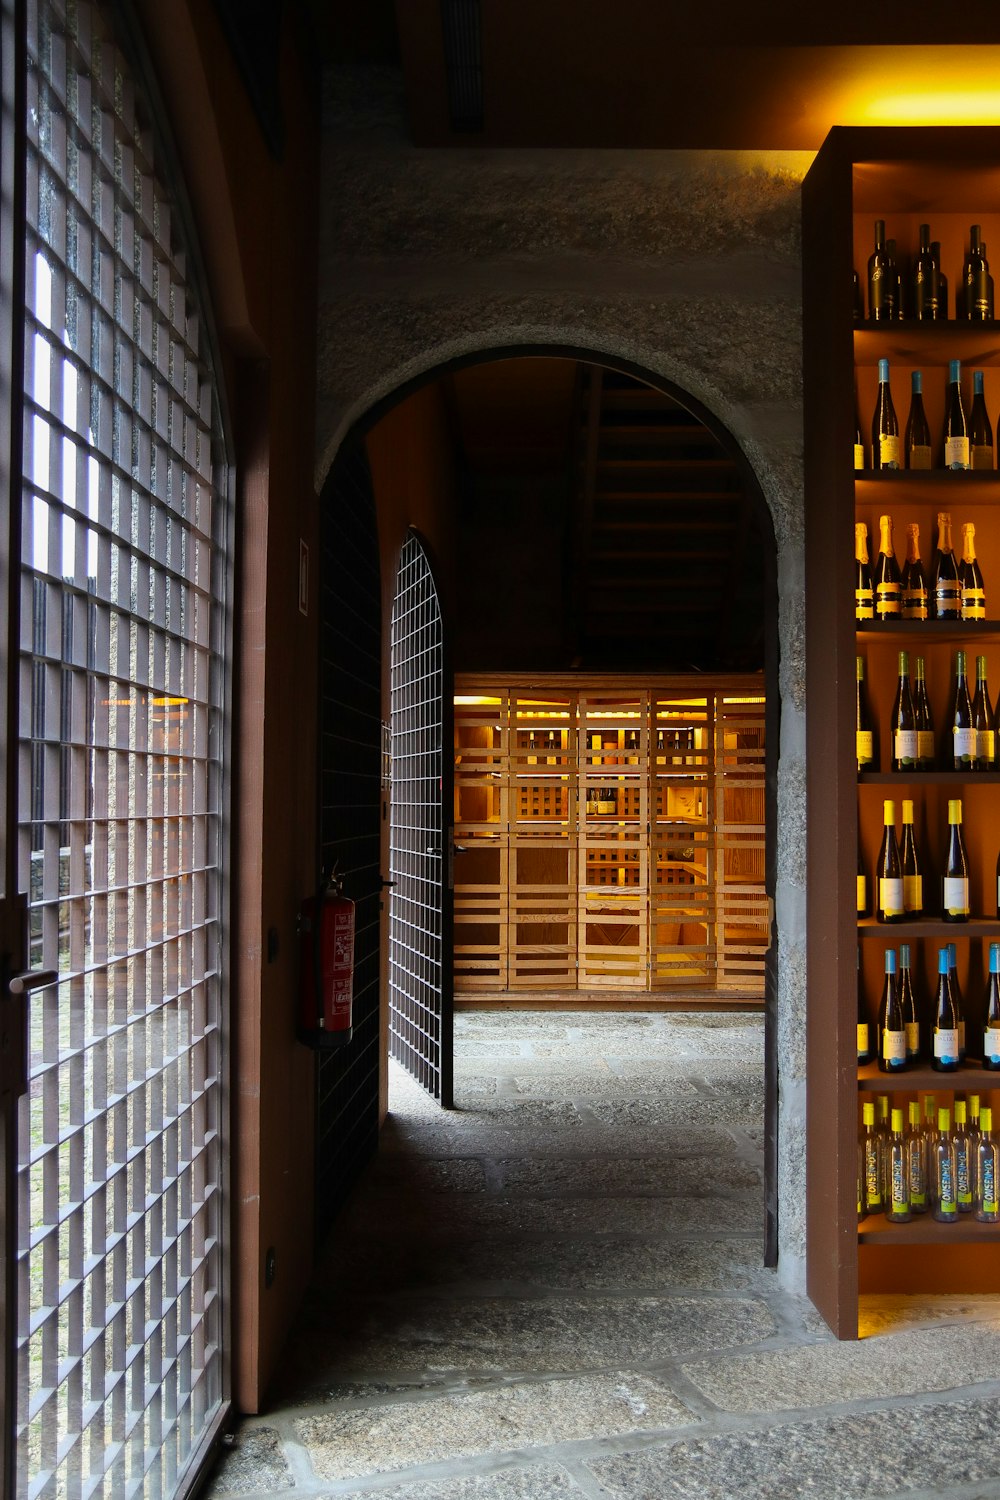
column 607, row 611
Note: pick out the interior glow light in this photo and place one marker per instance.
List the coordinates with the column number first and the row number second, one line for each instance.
column 935, row 107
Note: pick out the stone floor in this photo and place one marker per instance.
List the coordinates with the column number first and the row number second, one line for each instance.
column 557, row 1290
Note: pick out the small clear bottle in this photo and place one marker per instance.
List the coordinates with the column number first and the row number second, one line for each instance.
column 916, row 1161
column 897, row 1203
column 944, row 1205
column 871, row 1161
column 965, row 1160
column 987, row 1206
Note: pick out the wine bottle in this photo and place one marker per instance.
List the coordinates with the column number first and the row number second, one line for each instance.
column 970, row 577
column 987, row 1209
column 944, row 1036
column 946, row 587
column 864, row 596
column 859, row 442
column 983, row 720
column 881, row 280
column 924, row 280
column 909, row 1004
column 926, row 753
column 955, row 881
column 913, row 584
column 904, row 721
column 865, row 1050
column 944, row 1206
column 917, row 438
column 859, row 311
column 916, row 1161
column 956, row 997
column 863, row 903
column 897, row 1201
column 980, row 427
column 896, row 279
column 942, row 281
column 963, row 734
column 991, row 1028
column 913, row 880
column 865, row 735
column 889, row 871
column 891, row 1026
column 885, row 577
column 965, row 1165
column 871, row 1158
column 976, row 294
column 885, row 424
column 956, row 427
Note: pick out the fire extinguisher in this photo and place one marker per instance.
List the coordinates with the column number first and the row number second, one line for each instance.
column 326, row 979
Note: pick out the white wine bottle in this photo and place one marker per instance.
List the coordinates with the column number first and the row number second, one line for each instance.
column 926, row 751
column 885, row 424
column 889, row 871
column 964, row 744
column 897, row 1204
column 944, row 1205
column 864, row 597
column 991, row 1025
column 980, row 427
column 956, row 997
column 909, row 1003
column 987, row 1206
column 885, row 576
column 970, row 577
column 865, row 1049
column 913, row 584
column 917, row 437
column 944, row 1036
column 909, row 855
column 956, row 427
column 946, row 587
column 864, row 735
column 891, row 1026
column 904, row 721
column 955, row 881
column 983, row 720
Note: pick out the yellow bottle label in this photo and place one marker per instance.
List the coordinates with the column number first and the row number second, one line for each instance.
column 888, row 448
column 913, row 892
column 862, row 1036
column 866, row 745
column 956, row 453
column 920, row 456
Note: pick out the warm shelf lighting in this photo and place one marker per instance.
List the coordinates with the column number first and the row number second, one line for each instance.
column 955, row 85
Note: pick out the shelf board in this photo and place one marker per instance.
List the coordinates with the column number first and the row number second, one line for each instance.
column 923, row 1230
column 969, row 1075
column 929, row 630
column 930, row 927
column 928, row 778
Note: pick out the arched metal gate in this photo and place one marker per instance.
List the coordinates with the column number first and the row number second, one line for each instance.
column 420, row 1001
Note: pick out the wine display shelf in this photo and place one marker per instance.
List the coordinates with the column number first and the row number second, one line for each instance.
column 610, row 834
column 905, row 176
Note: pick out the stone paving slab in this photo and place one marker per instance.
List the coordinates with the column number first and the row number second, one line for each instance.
column 597, row 1215
column 650, row 1174
column 256, row 1463
column 638, row 1115
column 861, row 1456
column 345, row 1444
column 501, row 1139
column 544, row 1482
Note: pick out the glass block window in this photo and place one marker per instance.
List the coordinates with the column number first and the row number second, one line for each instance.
column 123, row 586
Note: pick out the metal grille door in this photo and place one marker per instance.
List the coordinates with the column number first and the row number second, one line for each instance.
column 419, row 1001
column 122, row 653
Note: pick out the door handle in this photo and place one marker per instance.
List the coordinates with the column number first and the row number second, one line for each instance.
column 14, row 1029
column 32, row 979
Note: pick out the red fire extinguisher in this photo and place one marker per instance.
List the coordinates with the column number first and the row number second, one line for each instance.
column 326, row 980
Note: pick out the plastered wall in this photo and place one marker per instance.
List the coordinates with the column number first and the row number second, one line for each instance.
column 685, row 263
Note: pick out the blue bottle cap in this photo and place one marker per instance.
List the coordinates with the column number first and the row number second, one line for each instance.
column 904, row 955
column 977, row 382
column 953, row 955
column 954, row 371
column 942, row 960
column 995, row 958
column 883, row 371
column 890, row 960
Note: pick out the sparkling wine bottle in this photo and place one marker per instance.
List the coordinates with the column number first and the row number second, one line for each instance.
column 881, row 279
column 917, row 438
column 987, row 1206
column 885, row 424
column 975, row 299
column 924, row 296
column 864, row 596
column 885, row 577
column 916, row 1161
column 913, row 584
column 889, row 871
column 955, row 881
column 944, row 1036
column 944, row 1205
column 964, row 746
column 926, row 751
column 913, row 880
column 970, row 577
column 946, row 587
column 983, row 720
column 891, row 1026
column 991, row 1028
column 956, row 427
column 897, row 1205
column 865, row 735
column 980, row 427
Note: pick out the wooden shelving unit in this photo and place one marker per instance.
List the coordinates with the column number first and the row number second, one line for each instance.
column 949, row 178
column 610, row 835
